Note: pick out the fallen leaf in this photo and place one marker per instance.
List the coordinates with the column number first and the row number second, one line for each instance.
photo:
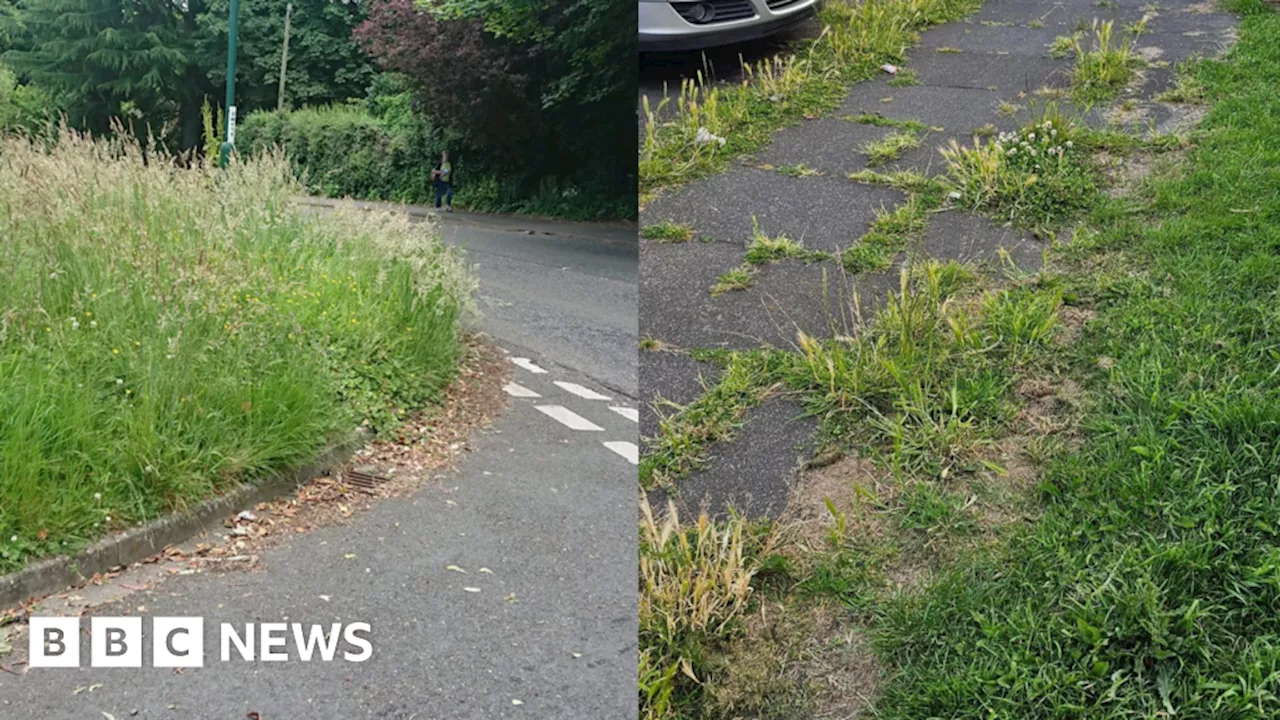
column 471, row 589
column 576, row 655
column 516, row 702
column 324, row 598
column 486, row 571
column 108, row 715
column 350, row 556
column 455, row 568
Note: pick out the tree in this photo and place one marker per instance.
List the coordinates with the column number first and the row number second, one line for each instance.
column 536, row 83
column 325, row 64
column 129, row 59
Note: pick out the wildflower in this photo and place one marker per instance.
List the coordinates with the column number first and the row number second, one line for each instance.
column 13, row 539
column 115, row 351
column 119, row 381
column 1068, row 143
column 93, row 323
column 1032, row 136
column 97, row 496
column 75, row 324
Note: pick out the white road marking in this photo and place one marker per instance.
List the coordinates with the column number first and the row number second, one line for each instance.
column 567, row 417
column 626, row 449
column 529, row 365
column 583, row 392
column 515, row 390
column 631, row 414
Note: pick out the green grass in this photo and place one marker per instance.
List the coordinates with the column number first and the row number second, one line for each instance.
column 685, row 434
column 739, row 278
column 782, row 91
column 168, row 333
column 889, row 148
column 800, row 170
column 905, row 77
column 667, row 231
column 1105, row 67
column 1148, row 587
column 914, row 126
column 764, row 249
column 1036, row 177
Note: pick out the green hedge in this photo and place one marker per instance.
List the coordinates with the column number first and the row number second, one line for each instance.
column 388, row 152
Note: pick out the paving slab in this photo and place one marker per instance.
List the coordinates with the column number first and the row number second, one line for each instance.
column 958, row 111
column 975, row 37
column 831, row 145
column 670, row 376
column 1010, row 74
column 974, row 239
column 753, row 474
column 676, row 305
column 824, row 212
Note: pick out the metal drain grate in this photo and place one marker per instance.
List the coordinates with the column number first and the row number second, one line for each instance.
column 364, row 480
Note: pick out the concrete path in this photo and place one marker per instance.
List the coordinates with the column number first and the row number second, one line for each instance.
column 545, row 502
column 985, row 71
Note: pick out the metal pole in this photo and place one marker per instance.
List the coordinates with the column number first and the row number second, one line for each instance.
column 229, row 144
column 284, row 55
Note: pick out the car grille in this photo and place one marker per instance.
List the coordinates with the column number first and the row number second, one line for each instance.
column 722, row 10
column 779, row 4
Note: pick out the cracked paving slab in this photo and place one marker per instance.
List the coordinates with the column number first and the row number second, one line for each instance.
column 753, row 474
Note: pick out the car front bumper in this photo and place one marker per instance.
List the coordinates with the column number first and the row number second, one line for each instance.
column 663, row 29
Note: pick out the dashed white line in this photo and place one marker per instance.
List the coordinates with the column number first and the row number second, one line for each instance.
column 626, row 449
column 517, row 390
column 567, row 417
column 529, row 365
column 631, row 414
column 581, row 391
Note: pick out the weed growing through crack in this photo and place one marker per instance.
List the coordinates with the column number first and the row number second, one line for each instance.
column 799, row 170
column 706, row 123
column 876, row 120
column 890, row 147
column 1105, row 67
column 667, row 231
column 764, row 249
column 695, row 588
column 905, row 77
column 686, row 433
column 739, row 278
column 1034, row 177
column 1064, row 45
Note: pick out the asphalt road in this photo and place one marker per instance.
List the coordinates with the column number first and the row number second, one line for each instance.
column 544, row 503
column 568, row 292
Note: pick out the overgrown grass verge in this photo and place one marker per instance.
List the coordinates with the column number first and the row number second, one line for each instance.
column 711, row 122
column 1145, row 590
column 166, row 333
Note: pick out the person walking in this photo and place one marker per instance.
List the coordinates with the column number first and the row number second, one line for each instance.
column 443, row 177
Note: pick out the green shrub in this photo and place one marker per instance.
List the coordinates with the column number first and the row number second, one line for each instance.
column 168, row 332
column 381, row 149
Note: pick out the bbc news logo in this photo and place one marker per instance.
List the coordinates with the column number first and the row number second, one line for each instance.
column 178, row 642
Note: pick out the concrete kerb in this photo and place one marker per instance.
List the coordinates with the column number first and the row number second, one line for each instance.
column 56, row 574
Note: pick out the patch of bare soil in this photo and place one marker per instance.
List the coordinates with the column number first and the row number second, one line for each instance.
column 798, row 663
column 426, row 446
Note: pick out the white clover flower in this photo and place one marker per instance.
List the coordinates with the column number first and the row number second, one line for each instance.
column 119, row 381
column 93, row 323
column 1032, row 136
column 75, row 324
column 97, row 496
column 1068, row 143
column 13, row 539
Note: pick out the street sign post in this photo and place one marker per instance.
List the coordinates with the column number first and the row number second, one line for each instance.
column 229, row 144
